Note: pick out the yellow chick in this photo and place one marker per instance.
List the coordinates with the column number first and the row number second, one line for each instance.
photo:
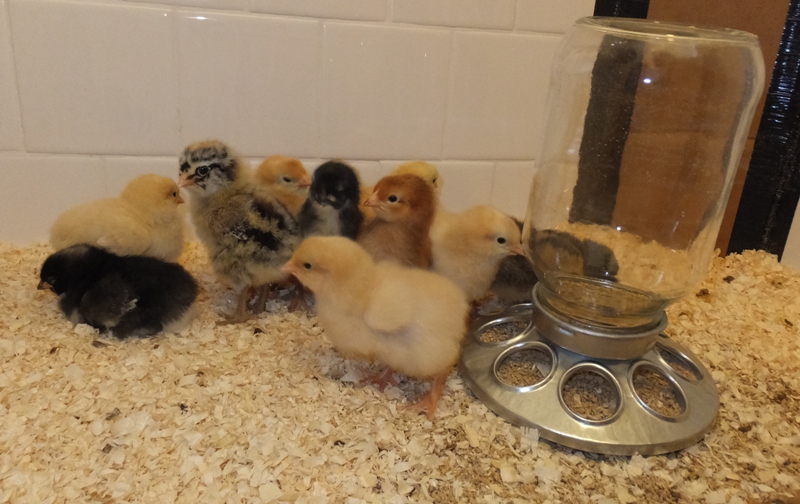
column 143, row 220
column 248, row 232
column 468, row 247
column 425, row 171
column 287, row 178
column 411, row 320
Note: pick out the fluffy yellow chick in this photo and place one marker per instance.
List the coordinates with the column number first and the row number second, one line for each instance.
column 468, row 247
column 287, row 178
column 143, row 220
column 408, row 319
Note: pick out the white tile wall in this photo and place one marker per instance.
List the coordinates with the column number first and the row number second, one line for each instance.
column 252, row 81
column 37, row 188
column 95, row 92
column 362, row 10
column 554, row 16
column 497, row 14
column 10, row 124
column 96, row 78
column 383, row 91
column 497, row 103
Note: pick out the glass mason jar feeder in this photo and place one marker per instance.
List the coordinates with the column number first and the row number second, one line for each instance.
column 645, row 129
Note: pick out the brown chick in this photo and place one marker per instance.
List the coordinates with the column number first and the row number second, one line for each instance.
column 248, row 232
column 468, row 247
column 143, row 220
column 404, row 209
column 287, row 178
column 425, row 171
column 411, row 320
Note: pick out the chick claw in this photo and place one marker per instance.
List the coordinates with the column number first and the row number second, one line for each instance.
column 381, row 380
column 429, row 401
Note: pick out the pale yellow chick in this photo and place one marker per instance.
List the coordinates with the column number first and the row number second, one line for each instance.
column 287, row 178
column 408, row 319
column 143, row 220
column 468, row 247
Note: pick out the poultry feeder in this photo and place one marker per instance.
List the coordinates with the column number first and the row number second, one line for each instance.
column 644, row 133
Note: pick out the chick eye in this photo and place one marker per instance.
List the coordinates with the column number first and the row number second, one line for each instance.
column 501, row 240
column 202, row 171
column 434, row 180
column 174, row 194
column 307, row 265
column 392, row 199
column 287, row 179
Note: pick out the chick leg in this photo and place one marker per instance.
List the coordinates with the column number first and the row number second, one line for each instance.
column 381, row 380
column 430, row 400
column 240, row 315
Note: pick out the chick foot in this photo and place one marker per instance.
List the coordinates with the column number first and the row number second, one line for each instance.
column 381, row 380
column 429, row 401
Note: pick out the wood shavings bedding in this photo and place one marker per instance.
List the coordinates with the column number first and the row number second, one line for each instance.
column 266, row 411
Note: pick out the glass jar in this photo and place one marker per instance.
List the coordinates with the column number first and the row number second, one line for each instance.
column 645, row 129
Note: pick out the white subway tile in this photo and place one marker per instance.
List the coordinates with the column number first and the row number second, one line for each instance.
column 551, row 16
column 238, row 5
column 383, row 91
column 250, row 80
column 512, row 185
column 465, row 184
column 37, row 188
column 498, row 90
column 495, row 14
column 10, row 125
column 95, row 78
column 121, row 170
column 363, row 10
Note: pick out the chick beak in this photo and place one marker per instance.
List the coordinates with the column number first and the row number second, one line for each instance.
column 290, row 268
column 180, row 199
column 372, row 201
column 304, row 181
column 185, row 181
column 44, row 286
column 517, row 250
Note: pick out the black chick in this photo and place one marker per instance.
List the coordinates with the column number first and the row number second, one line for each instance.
column 332, row 205
column 127, row 295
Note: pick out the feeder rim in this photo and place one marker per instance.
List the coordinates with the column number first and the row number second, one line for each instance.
column 679, row 32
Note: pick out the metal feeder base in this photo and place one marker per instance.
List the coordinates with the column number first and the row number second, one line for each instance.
column 632, row 426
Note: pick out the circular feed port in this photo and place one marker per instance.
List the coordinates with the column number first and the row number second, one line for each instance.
column 656, row 392
column 502, row 330
column 590, row 393
column 682, row 366
column 525, row 366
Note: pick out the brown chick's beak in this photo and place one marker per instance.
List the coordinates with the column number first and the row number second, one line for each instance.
column 44, row 286
column 304, row 181
column 290, row 268
column 185, row 181
column 180, row 199
column 372, row 201
column 517, row 250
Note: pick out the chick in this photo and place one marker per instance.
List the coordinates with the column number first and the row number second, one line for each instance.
column 143, row 220
column 332, row 205
column 515, row 278
column 411, row 320
column 287, row 178
column 468, row 247
column 404, row 209
column 425, row 171
column 248, row 232
column 127, row 295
